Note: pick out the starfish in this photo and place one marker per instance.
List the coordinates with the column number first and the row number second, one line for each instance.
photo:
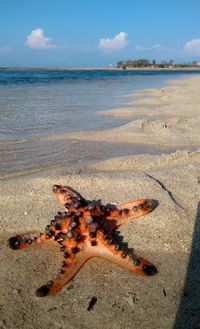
column 84, row 230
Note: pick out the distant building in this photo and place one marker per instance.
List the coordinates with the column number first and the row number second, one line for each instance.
column 198, row 63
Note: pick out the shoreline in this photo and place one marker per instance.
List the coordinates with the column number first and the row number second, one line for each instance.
column 57, row 147
column 168, row 117
column 168, row 236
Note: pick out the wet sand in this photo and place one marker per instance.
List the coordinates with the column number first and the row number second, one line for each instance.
column 169, row 236
column 170, row 117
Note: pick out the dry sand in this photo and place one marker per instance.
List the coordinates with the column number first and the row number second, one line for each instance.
column 169, row 236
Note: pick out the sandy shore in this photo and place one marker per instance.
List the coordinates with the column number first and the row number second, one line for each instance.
column 168, row 117
column 169, row 236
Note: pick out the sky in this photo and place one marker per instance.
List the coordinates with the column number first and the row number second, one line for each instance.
column 97, row 33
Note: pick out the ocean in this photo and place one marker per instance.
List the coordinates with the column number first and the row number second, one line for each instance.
column 37, row 104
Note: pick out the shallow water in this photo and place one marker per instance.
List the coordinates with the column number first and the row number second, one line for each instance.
column 42, row 103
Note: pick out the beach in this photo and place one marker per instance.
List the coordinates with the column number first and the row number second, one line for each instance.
column 168, row 118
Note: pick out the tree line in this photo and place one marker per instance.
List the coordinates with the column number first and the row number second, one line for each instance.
column 147, row 63
column 134, row 63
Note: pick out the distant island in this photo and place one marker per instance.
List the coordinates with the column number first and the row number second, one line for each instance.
column 145, row 63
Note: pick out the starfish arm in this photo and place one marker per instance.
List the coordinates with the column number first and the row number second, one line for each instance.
column 66, row 194
column 26, row 240
column 124, row 258
column 69, row 268
column 130, row 210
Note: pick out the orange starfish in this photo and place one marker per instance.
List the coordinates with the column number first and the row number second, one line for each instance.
column 88, row 229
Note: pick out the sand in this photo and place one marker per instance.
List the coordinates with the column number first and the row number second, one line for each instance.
column 169, row 236
column 169, row 117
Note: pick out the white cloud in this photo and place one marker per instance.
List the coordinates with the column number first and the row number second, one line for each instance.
column 154, row 47
column 37, row 40
column 193, row 46
column 5, row 49
column 118, row 42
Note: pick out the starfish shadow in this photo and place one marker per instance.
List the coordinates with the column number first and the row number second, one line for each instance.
column 188, row 314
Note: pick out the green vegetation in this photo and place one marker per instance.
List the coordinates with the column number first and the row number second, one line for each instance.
column 134, row 63
column 145, row 63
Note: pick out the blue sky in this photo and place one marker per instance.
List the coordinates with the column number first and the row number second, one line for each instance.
column 96, row 33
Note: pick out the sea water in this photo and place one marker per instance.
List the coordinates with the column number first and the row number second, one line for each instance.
column 37, row 104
